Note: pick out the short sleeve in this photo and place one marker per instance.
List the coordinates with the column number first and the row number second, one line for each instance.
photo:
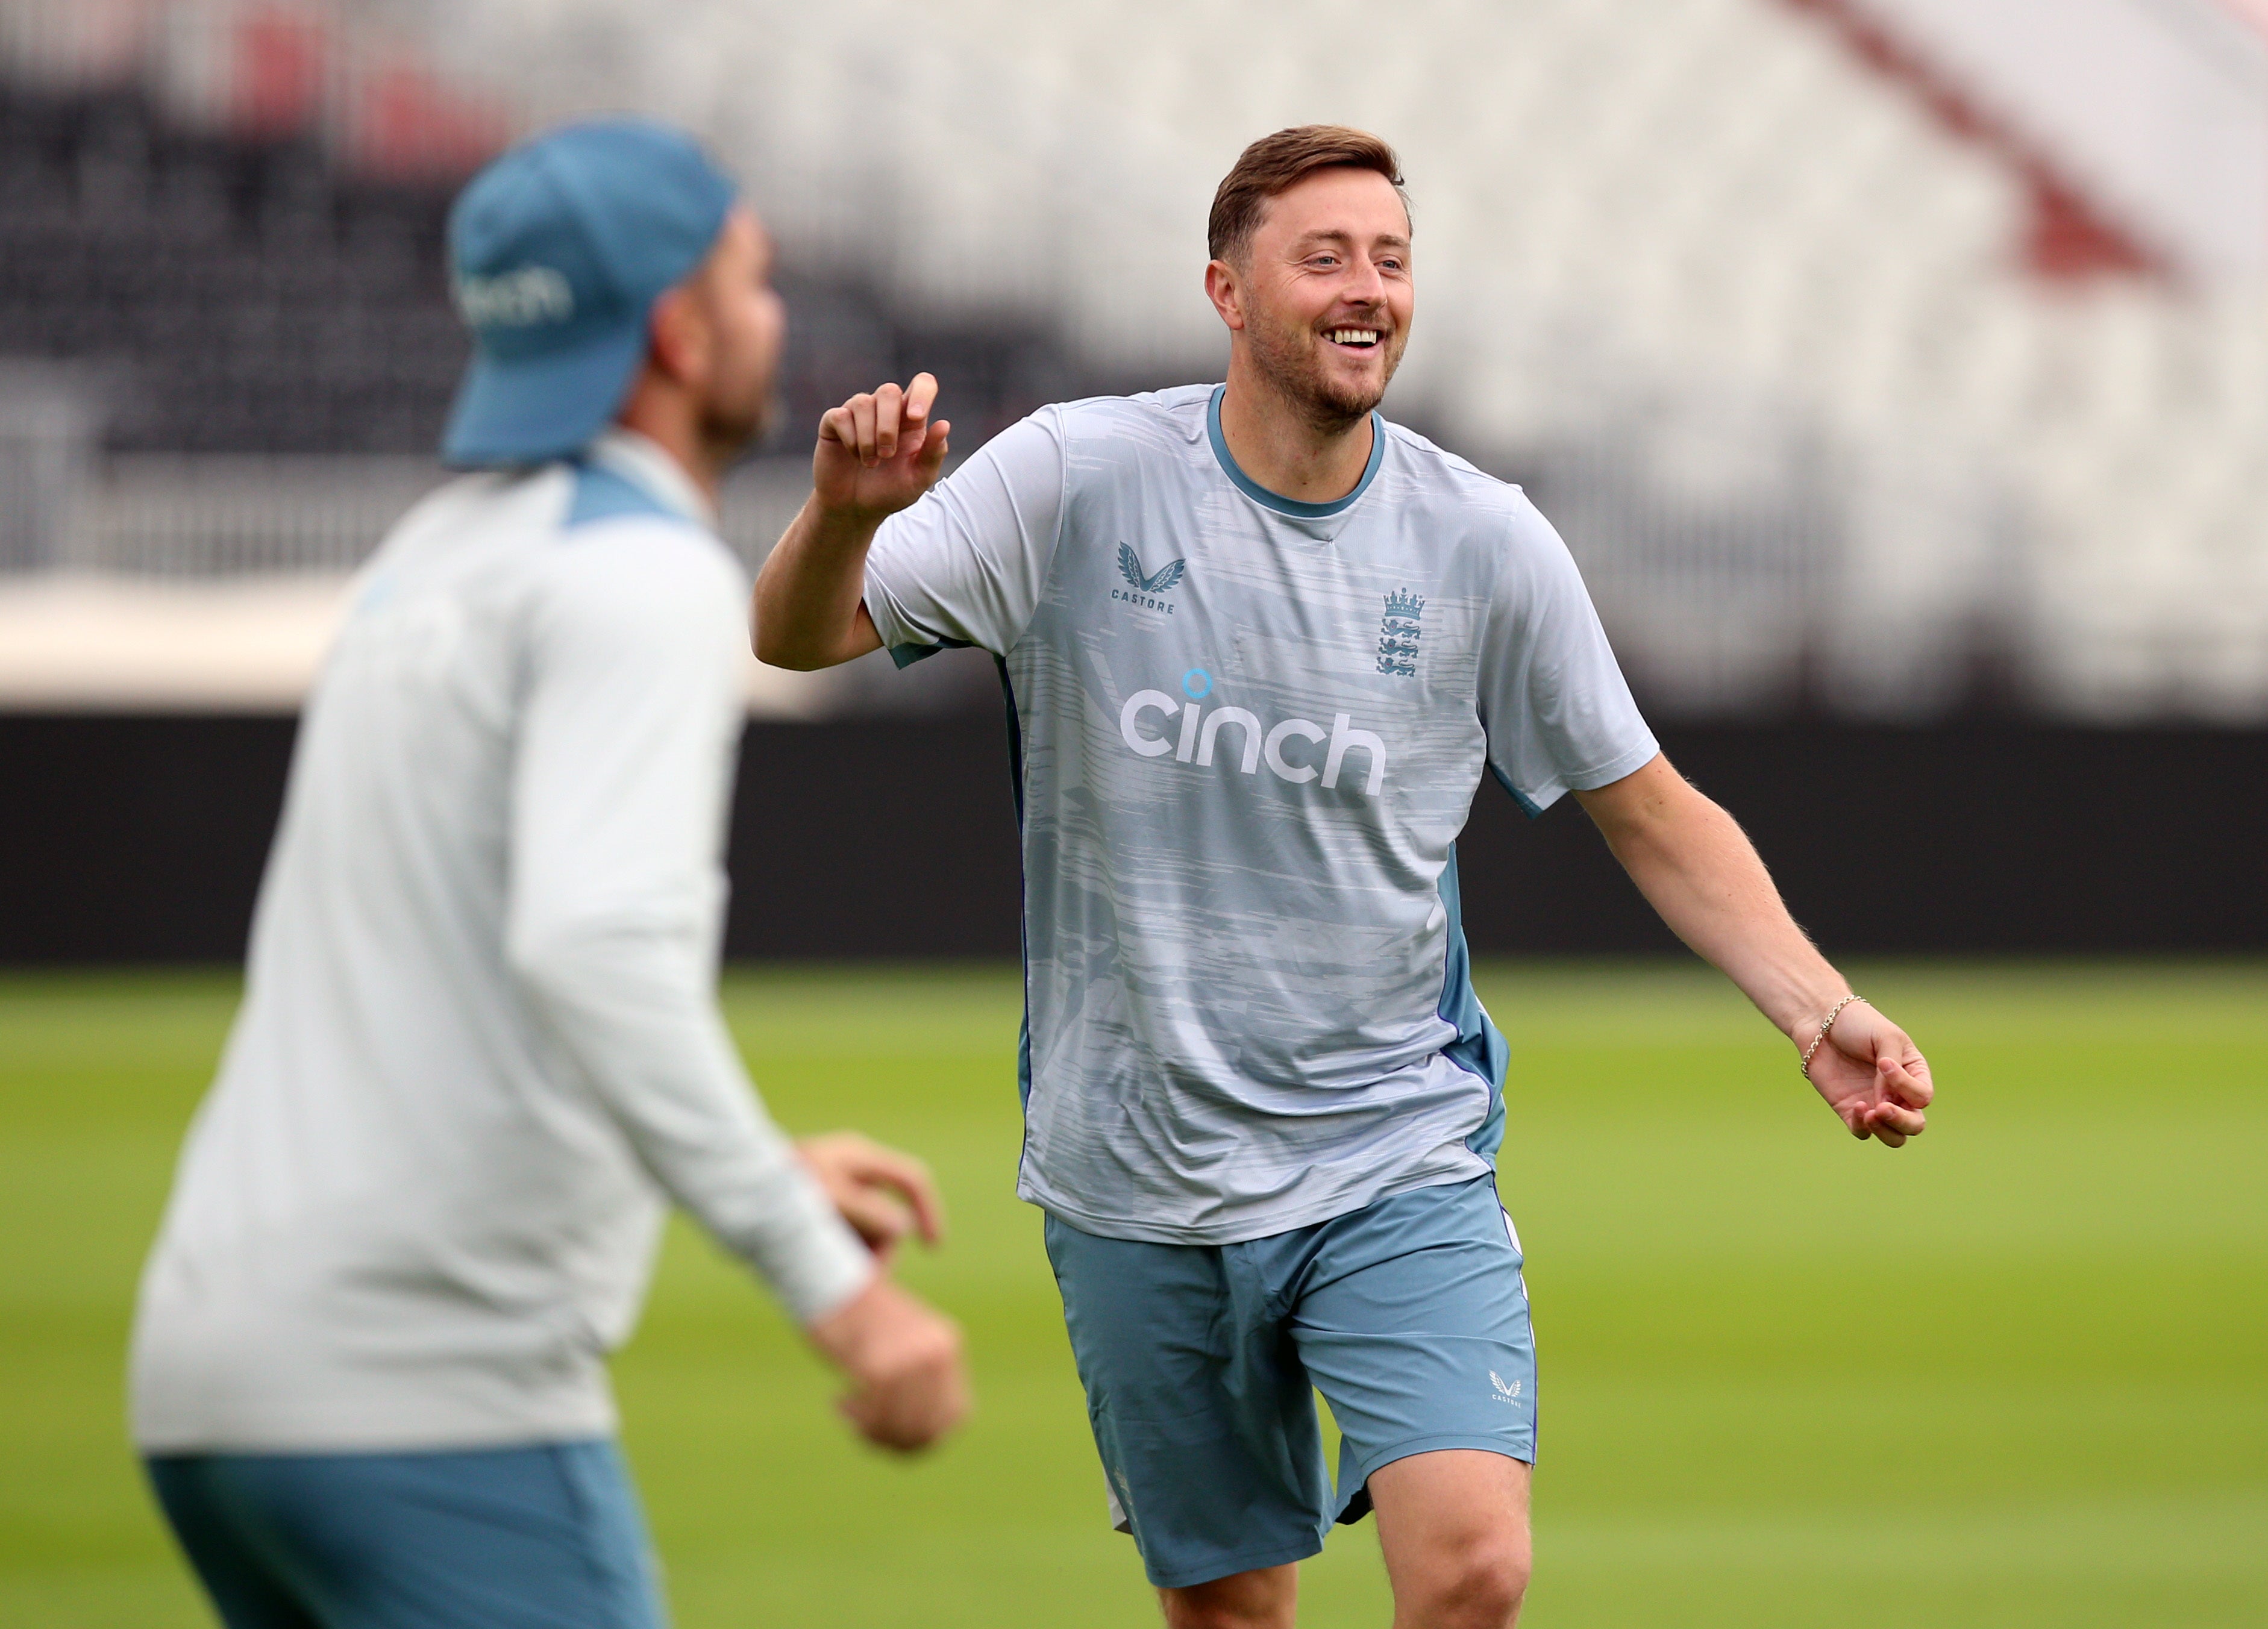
column 965, row 565
column 1558, row 713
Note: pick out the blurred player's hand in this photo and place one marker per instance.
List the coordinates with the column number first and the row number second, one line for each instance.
column 882, row 1193
column 1873, row 1077
column 908, row 1385
column 878, row 452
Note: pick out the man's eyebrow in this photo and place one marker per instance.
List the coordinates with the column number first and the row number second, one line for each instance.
column 1339, row 234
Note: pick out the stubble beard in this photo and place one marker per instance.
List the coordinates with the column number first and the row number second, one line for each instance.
column 733, row 421
column 732, row 429
column 1286, row 356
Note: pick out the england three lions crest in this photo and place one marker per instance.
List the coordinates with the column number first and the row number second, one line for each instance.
column 1398, row 632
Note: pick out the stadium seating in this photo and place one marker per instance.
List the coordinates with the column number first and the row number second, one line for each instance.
column 243, row 296
column 1755, row 326
column 1724, row 296
column 233, row 295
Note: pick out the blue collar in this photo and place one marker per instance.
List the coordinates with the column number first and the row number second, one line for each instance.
column 622, row 472
column 1281, row 504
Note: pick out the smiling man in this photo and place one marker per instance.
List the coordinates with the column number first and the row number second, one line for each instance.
column 1260, row 647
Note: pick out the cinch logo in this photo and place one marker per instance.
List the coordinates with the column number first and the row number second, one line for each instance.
column 1143, row 590
column 515, row 299
column 1200, row 733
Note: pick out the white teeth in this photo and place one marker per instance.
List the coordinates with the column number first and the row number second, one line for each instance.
column 1355, row 336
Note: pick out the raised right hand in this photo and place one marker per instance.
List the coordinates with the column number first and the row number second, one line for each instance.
column 908, row 1384
column 878, row 452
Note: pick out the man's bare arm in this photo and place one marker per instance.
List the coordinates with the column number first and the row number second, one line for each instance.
column 1698, row 869
column 810, row 609
column 877, row 454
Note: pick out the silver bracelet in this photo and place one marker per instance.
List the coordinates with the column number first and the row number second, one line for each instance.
column 1820, row 1039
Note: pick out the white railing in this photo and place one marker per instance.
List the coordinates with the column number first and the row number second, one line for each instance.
column 185, row 583
column 1741, row 568
column 205, row 515
column 47, row 431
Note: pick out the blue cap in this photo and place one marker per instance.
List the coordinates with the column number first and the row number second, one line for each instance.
column 557, row 252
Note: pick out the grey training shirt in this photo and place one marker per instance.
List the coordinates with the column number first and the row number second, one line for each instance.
column 480, row 1048
column 1248, row 732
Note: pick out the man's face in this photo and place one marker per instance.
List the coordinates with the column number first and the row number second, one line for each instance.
column 1326, row 294
column 746, row 323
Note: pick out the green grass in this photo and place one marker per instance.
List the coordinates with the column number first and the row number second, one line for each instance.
column 2011, row 1376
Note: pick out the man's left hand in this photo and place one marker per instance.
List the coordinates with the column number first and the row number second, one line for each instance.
column 883, row 1194
column 1873, row 1076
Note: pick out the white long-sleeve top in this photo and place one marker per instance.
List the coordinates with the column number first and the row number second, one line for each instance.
column 479, row 1051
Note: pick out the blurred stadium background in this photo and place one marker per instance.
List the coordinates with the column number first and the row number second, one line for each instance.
column 1897, row 370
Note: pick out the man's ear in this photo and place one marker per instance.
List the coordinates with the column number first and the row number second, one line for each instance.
column 678, row 338
column 1225, row 287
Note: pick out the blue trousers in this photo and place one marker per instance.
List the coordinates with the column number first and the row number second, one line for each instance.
column 547, row 1537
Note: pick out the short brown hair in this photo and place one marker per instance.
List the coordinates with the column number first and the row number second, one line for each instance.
column 1276, row 164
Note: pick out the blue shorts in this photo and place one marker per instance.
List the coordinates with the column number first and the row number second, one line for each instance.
column 1201, row 1363
column 542, row 1538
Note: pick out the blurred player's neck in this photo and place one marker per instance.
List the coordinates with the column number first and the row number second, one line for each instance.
column 1278, row 441
column 666, row 414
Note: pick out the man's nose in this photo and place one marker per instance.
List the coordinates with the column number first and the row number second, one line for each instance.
column 1364, row 285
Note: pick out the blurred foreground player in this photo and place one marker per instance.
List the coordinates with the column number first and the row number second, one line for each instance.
column 1260, row 647
column 480, row 1049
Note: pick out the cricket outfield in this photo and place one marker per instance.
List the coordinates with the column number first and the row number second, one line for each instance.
column 2016, row 1373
